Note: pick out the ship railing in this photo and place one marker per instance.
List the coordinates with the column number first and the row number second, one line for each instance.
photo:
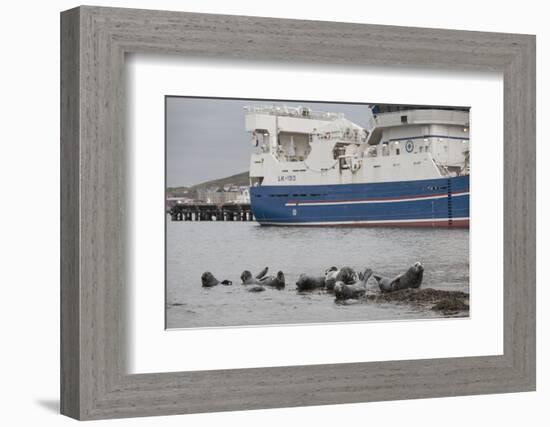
column 336, row 136
column 299, row 112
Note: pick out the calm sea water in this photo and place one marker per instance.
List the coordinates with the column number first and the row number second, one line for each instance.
column 228, row 248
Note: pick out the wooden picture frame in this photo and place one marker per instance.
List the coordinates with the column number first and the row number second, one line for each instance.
column 94, row 382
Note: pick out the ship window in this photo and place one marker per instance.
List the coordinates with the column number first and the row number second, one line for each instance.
column 397, row 151
column 403, row 119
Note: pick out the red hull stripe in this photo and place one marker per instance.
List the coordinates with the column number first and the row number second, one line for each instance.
column 374, row 200
column 426, row 223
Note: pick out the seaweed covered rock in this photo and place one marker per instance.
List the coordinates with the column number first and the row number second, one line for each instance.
column 447, row 302
column 451, row 305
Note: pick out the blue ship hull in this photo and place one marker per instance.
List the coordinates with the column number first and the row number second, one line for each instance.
column 443, row 202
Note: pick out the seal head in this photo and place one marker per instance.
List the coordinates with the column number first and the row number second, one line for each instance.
column 415, row 274
column 208, row 280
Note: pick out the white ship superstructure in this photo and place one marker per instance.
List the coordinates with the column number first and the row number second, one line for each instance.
column 309, row 151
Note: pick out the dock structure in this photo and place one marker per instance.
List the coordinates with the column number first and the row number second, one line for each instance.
column 210, row 212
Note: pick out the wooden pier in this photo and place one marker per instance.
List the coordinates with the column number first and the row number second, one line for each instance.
column 210, row 212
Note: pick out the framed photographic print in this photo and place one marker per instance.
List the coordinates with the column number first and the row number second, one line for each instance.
column 369, row 195
column 346, row 212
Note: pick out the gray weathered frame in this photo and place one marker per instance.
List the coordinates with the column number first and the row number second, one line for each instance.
column 94, row 41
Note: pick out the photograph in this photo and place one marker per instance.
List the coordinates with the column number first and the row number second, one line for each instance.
column 292, row 212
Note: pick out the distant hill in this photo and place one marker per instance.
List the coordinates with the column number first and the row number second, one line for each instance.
column 238, row 179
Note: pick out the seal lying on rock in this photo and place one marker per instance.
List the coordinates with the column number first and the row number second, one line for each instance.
column 411, row 279
column 344, row 291
column 208, row 280
column 346, row 275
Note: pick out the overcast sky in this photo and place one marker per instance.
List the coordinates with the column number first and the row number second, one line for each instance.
column 206, row 138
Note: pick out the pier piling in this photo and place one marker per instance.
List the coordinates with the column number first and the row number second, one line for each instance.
column 210, row 212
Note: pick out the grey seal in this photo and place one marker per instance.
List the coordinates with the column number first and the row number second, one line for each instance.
column 346, row 275
column 412, row 278
column 208, row 280
column 256, row 288
column 306, row 282
column 344, row 291
column 277, row 282
column 248, row 279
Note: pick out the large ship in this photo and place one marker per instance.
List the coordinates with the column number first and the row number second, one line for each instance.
column 408, row 167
